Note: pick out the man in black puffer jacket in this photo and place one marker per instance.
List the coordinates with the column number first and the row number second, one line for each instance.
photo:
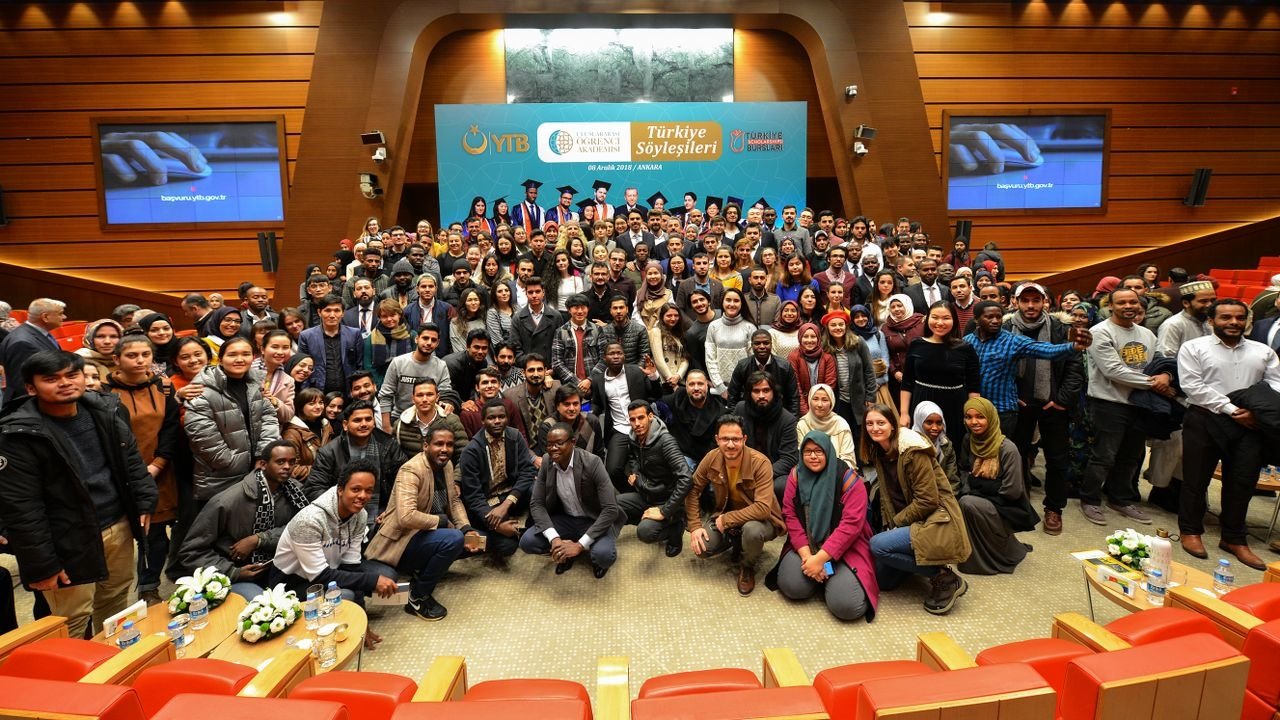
column 659, row 478
column 74, row 491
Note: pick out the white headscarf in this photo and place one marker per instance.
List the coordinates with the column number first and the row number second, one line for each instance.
column 906, row 302
column 922, row 413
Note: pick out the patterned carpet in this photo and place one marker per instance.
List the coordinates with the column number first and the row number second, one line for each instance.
column 670, row 615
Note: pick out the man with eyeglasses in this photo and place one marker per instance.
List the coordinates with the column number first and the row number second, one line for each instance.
column 744, row 513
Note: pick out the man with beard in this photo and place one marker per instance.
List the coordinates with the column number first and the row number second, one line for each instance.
column 363, row 311
column 360, row 439
column 1120, row 351
column 422, row 263
column 371, row 268
column 495, row 477
column 694, row 411
column 1048, row 390
column 629, row 333
column 1211, row 369
column 427, row 309
column 695, row 337
column 504, row 359
column 764, row 361
column 587, row 433
column 534, row 399
column 1164, row 470
column 619, row 282
column 700, row 281
column 797, row 234
column 769, row 427
column 464, row 364
column 659, row 478
column 760, row 305
column 401, row 288
column 929, row 290
column 406, row 371
column 533, row 327
column 599, row 294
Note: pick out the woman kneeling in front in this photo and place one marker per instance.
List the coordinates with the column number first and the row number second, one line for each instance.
column 995, row 505
column 825, row 509
column 924, row 530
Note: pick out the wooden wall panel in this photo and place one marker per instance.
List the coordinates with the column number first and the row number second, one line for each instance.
column 62, row 63
column 771, row 66
column 1188, row 87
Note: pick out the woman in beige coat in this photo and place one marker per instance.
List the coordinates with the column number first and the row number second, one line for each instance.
column 924, row 529
column 421, row 532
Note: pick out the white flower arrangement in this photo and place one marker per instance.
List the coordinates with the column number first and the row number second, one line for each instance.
column 207, row 581
column 1129, row 547
column 269, row 614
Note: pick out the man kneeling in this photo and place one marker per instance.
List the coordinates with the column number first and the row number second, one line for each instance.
column 659, row 478
column 421, row 531
column 574, row 497
column 745, row 514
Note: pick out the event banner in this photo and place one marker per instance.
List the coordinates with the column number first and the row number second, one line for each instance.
column 740, row 150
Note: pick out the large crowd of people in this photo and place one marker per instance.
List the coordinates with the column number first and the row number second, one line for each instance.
column 536, row 379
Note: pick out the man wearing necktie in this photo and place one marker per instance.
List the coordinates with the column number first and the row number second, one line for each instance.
column 363, row 314
column 527, row 212
column 928, row 291
column 44, row 315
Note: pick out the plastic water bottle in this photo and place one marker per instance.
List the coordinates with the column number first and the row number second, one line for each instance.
column 129, row 635
column 198, row 608
column 177, row 636
column 1224, row 578
column 332, row 599
column 311, row 611
column 1155, row 587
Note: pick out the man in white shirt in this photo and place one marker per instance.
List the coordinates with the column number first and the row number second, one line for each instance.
column 573, row 507
column 1209, row 370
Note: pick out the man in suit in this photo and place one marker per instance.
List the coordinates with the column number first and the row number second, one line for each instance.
column 700, row 281
column 1267, row 331
column 363, row 314
column 635, row 235
column 35, row 335
column 613, row 388
column 495, row 477
column 427, row 309
column 338, row 350
column 573, row 497
column 533, row 327
column 527, row 213
column 632, row 197
column 929, row 290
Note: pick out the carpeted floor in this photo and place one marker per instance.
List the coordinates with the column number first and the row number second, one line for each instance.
column 670, row 615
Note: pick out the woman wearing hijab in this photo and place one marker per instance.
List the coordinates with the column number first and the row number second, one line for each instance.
column 822, row 417
column 654, row 296
column 784, row 331
column 224, row 324
column 159, row 330
column 903, row 326
column 100, row 340
column 812, row 364
column 924, row 527
column 931, row 423
column 828, row 537
column 996, row 505
column 862, row 322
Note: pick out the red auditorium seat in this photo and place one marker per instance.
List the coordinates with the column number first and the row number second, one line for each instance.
column 1156, row 624
column 25, row 697
column 778, row 702
column 219, row 707
column 1047, row 656
column 1253, row 277
column 492, row 710
column 841, row 687
column 367, row 695
column 1261, row 600
column 57, row 659
column 699, row 681
column 531, row 689
column 879, row 696
column 159, row 684
column 1262, row 647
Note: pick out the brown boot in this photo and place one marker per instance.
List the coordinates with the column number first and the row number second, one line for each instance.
column 944, row 588
column 1052, row 522
column 746, row 580
column 1194, row 546
column 1243, row 554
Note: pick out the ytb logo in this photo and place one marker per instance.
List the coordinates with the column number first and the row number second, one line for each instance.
column 475, row 142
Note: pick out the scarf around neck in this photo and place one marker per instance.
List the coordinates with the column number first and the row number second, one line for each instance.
column 1039, row 372
column 985, row 448
column 816, row 492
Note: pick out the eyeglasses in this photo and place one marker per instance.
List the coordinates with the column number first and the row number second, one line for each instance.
column 813, row 452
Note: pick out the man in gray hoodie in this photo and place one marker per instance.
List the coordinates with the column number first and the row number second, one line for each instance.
column 659, row 477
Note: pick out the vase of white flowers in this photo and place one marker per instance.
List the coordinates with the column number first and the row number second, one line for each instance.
column 205, row 581
column 268, row 614
column 1129, row 547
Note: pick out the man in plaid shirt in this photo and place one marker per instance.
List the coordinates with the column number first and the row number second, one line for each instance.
column 998, row 352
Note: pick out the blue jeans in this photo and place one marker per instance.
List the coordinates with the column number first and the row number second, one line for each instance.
column 604, row 551
column 895, row 559
column 428, row 557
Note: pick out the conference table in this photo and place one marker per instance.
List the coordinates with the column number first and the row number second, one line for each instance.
column 1179, row 575
column 257, row 655
column 222, row 625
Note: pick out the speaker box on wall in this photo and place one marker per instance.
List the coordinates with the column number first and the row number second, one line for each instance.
column 4, row 219
column 964, row 228
column 267, row 251
column 1199, row 187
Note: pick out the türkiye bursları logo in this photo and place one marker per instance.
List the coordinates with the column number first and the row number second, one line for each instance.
column 476, row 142
column 560, row 142
column 755, row 141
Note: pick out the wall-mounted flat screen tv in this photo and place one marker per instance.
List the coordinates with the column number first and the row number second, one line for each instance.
column 185, row 172
column 1042, row 161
